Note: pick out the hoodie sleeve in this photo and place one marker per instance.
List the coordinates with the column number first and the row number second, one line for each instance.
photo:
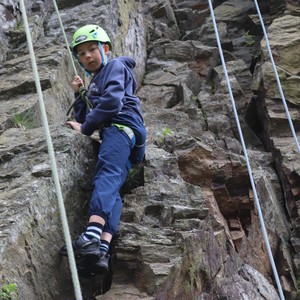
column 107, row 95
column 79, row 109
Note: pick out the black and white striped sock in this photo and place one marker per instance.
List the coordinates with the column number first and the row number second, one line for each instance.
column 93, row 230
column 104, row 246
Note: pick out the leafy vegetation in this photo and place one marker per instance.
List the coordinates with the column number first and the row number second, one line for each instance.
column 19, row 25
column 250, row 42
column 9, row 292
column 24, row 120
column 134, row 179
column 164, row 133
column 249, row 39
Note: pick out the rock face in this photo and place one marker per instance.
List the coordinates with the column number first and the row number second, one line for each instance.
column 190, row 227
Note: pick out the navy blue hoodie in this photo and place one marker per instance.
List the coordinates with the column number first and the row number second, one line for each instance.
column 111, row 93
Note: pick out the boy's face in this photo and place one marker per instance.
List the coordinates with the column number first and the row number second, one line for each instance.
column 89, row 55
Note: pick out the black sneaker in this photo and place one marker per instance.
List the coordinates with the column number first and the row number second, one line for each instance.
column 84, row 268
column 102, row 265
column 82, row 248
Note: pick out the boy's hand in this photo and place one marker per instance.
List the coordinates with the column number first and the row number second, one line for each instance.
column 75, row 125
column 76, row 83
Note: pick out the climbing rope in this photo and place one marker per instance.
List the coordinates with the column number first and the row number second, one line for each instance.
column 65, row 37
column 83, row 92
column 257, row 202
column 52, row 158
column 277, row 77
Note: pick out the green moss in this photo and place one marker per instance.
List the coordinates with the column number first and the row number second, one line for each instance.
column 194, row 278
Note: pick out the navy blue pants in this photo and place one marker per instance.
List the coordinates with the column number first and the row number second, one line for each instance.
column 111, row 171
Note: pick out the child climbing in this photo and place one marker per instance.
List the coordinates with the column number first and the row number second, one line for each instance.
column 110, row 106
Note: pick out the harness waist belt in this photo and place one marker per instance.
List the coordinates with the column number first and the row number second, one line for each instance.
column 126, row 129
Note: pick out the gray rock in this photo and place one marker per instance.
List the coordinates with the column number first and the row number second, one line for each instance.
column 189, row 227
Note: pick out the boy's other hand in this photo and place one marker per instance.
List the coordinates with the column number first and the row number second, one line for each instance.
column 76, row 83
column 75, row 125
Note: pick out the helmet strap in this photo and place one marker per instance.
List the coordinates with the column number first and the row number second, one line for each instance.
column 103, row 57
column 87, row 72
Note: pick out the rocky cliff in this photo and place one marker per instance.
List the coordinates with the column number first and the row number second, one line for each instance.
column 189, row 227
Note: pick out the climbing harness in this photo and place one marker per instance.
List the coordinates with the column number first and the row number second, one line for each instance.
column 277, row 77
column 130, row 134
column 55, row 176
column 127, row 130
column 257, row 202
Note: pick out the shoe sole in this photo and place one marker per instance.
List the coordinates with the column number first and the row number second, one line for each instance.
column 88, row 268
column 81, row 252
column 101, row 270
column 90, row 258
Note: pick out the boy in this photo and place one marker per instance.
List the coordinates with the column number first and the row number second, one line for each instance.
column 112, row 108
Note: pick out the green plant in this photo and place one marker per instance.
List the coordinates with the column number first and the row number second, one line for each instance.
column 19, row 25
column 24, row 120
column 9, row 292
column 134, row 171
column 250, row 42
column 249, row 39
column 163, row 134
column 134, row 179
column 166, row 131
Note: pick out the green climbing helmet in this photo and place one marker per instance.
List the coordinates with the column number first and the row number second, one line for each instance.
column 90, row 33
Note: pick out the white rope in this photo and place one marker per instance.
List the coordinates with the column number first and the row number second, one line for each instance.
column 264, row 232
column 52, row 159
column 65, row 36
column 277, row 77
